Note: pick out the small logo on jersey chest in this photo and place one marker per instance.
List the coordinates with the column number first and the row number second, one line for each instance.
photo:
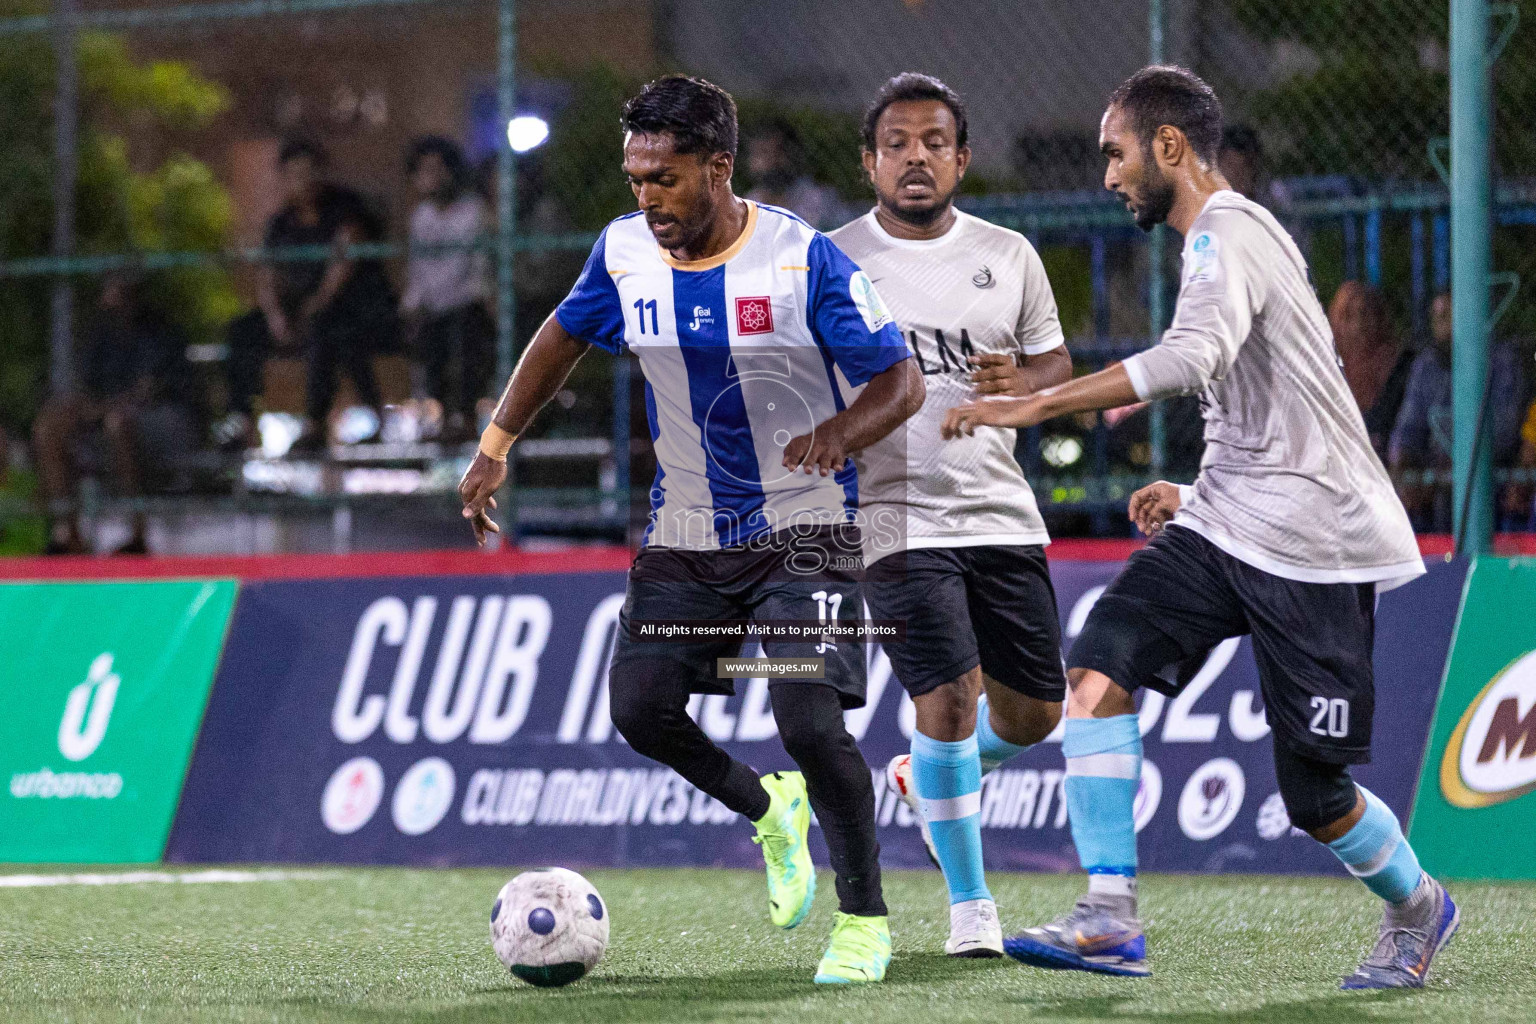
column 754, row 315
column 703, row 317
column 982, row 278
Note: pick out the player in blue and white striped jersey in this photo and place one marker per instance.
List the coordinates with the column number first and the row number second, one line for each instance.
column 751, row 330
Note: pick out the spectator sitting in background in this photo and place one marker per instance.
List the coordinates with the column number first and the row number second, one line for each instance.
column 1423, row 435
column 1242, row 160
column 336, row 311
column 134, row 383
column 1376, row 365
column 776, row 161
column 444, row 302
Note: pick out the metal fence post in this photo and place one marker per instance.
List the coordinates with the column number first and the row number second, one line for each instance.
column 1156, row 296
column 506, row 187
column 66, row 113
column 506, row 226
column 1471, row 259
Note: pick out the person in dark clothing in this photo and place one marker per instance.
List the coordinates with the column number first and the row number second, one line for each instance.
column 338, row 312
column 1376, row 363
column 445, row 293
column 134, row 383
column 1422, row 438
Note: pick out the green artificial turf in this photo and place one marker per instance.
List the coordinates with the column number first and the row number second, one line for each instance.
column 397, row 946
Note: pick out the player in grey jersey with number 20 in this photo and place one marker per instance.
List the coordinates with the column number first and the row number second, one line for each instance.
column 1287, row 534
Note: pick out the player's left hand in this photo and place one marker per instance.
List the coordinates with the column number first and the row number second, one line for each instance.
column 991, row 411
column 999, row 374
column 1153, row 505
column 824, row 448
column 477, row 489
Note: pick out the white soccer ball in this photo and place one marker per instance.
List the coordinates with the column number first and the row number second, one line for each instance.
column 549, row 926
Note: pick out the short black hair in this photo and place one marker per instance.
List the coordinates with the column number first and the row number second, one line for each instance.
column 1166, row 94
column 699, row 115
column 445, row 150
column 913, row 85
column 1241, row 138
column 292, row 149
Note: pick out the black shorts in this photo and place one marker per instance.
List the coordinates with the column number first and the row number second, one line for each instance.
column 1181, row 595
column 992, row 606
column 803, row 578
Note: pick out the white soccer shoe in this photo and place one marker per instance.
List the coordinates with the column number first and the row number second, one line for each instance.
column 898, row 775
column 974, row 930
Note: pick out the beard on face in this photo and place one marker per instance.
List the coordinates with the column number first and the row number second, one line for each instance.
column 1157, row 195
column 918, row 217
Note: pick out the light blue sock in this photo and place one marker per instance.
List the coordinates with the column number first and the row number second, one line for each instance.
column 1103, row 770
column 1375, row 852
column 948, row 780
column 993, row 748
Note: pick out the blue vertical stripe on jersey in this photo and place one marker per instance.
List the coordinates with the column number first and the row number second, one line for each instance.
column 658, row 487
column 730, row 452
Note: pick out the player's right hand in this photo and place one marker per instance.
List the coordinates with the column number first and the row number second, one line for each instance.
column 1153, row 505
column 990, row 411
column 481, row 480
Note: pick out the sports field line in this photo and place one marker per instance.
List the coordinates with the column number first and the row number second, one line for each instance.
column 138, row 877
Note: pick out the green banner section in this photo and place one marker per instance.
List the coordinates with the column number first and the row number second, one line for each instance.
column 102, row 689
column 1475, row 815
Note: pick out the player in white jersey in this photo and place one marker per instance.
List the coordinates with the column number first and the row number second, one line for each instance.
column 748, row 325
column 1288, row 532
column 957, row 548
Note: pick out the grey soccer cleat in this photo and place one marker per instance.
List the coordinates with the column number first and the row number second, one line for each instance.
column 1408, row 942
column 1093, row 937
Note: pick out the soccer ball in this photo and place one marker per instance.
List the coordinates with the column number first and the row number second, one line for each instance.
column 549, row 926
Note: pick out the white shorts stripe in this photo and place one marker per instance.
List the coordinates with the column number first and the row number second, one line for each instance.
column 952, row 808
column 1105, row 766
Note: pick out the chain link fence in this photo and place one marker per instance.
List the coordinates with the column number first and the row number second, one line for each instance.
column 1333, row 109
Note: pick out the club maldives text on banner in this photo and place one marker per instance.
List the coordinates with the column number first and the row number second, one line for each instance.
column 101, row 690
column 464, row 720
column 1479, row 776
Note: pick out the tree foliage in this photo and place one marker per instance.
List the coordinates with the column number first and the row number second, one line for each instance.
column 137, row 190
column 1377, row 87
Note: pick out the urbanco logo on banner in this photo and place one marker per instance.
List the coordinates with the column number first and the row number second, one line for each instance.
column 1491, row 757
column 82, row 727
column 88, row 710
column 1211, row 798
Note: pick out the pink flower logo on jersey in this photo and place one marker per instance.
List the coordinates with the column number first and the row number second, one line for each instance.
column 754, row 315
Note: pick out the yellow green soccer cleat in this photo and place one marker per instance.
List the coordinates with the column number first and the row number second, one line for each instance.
column 860, row 951
column 782, row 835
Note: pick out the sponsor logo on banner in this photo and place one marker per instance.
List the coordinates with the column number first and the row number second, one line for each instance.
column 87, row 712
column 1491, row 756
column 1211, row 798
column 102, row 686
column 1274, row 821
column 1475, row 812
column 423, row 795
column 352, row 795
column 478, row 708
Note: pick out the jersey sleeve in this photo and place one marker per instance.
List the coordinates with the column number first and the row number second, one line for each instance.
column 1222, row 289
column 1039, row 327
column 847, row 316
column 591, row 312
